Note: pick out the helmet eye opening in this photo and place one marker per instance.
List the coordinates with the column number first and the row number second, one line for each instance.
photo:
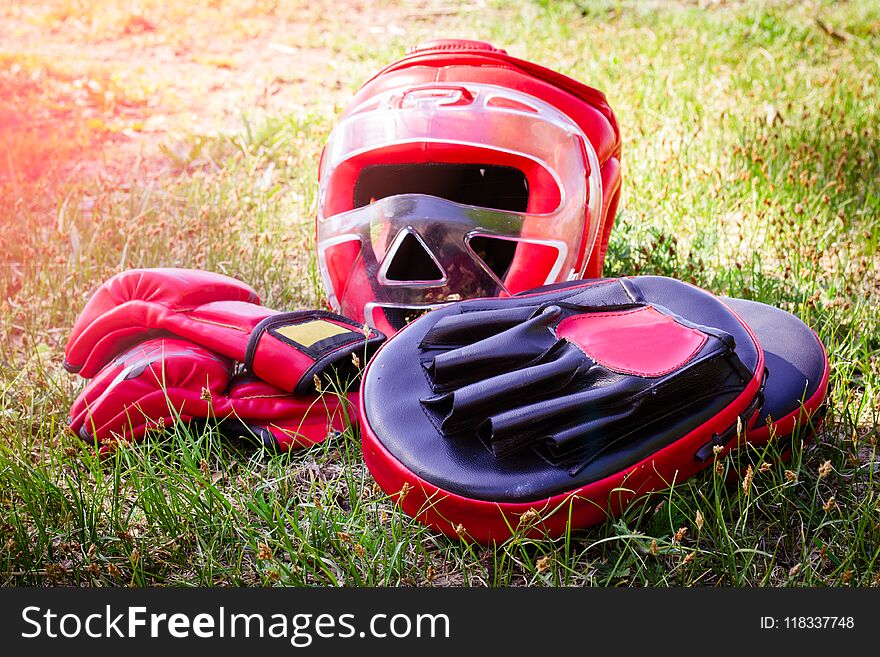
column 410, row 261
column 480, row 185
column 497, row 254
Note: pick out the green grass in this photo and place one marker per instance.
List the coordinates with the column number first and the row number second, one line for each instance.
column 752, row 168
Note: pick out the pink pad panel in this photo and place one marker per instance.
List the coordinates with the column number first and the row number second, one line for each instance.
column 643, row 341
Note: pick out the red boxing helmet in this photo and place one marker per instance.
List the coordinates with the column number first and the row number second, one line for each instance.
column 459, row 172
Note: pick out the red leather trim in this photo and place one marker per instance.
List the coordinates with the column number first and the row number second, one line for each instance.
column 642, row 341
column 611, row 186
column 530, row 266
column 449, row 56
column 543, row 190
column 785, row 426
column 340, row 260
column 485, row 521
column 590, row 112
column 453, row 44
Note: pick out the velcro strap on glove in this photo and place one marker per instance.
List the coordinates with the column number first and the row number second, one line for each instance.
column 292, row 349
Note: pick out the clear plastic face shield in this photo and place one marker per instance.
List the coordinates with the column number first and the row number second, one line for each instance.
column 445, row 234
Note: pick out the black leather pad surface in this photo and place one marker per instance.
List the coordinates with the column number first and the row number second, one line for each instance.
column 793, row 356
column 397, row 380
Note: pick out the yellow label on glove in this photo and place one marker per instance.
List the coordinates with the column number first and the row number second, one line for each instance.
column 308, row 333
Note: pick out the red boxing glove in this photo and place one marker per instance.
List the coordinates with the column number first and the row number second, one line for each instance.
column 288, row 350
column 151, row 385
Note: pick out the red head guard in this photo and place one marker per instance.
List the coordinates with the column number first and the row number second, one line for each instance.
column 460, row 171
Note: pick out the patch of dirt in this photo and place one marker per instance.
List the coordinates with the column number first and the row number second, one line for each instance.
column 96, row 87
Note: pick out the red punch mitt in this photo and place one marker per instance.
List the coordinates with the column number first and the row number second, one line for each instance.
column 153, row 384
column 568, row 403
column 287, row 350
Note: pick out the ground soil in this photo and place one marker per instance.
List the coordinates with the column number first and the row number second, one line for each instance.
column 93, row 89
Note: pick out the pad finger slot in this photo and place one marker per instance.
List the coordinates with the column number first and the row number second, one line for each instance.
column 514, row 348
column 618, row 293
column 548, row 376
column 586, row 439
column 511, row 430
column 470, row 327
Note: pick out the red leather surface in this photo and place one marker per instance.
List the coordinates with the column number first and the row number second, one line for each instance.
column 358, row 284
column 154, row 383
column 643, row 341
column 530, row 266
column 611, row 185
column 454, row 44
column 455, row 59
column 175, row 289
column 209, row 309
column 340, row 260
column 276, row 362
column 544, row 196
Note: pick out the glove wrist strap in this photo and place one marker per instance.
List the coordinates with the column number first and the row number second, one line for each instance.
column 289, row 349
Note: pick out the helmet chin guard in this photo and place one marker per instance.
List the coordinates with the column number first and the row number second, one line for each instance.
column 433, row 191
